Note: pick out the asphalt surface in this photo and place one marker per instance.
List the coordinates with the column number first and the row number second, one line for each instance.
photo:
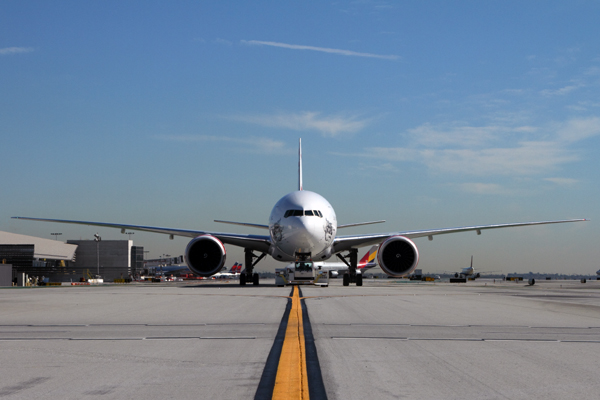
column 386, row 340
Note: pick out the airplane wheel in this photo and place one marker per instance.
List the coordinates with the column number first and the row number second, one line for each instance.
column 242, row 279
column 255, row 279
column 358, row 280
column 346, row 280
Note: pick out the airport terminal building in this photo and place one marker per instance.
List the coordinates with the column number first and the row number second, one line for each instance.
column 69, row 262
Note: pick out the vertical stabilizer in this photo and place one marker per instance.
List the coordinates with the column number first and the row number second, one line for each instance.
column 300, row 164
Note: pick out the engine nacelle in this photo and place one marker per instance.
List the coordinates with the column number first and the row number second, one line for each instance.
column 398, row 256
column 205, row 255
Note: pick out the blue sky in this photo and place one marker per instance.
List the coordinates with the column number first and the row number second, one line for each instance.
column 426, row 114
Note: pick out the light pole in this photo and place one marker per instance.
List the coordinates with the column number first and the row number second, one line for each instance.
column 129, row 234
column 56, row 234
column 97, row 238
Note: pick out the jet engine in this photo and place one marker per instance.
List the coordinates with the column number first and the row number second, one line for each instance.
column 398, row 256
column 205, row 255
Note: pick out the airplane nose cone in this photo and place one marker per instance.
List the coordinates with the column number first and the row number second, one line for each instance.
column 306, row 235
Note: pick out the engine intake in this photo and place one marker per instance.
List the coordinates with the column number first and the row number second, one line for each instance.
column 398, row 256
column 205, row 255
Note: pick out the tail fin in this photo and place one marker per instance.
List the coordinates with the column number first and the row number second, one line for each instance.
column 300, row 164
column 239, row 269
column 368, row 260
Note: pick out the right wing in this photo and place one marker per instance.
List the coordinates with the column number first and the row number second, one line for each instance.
column 254, row 242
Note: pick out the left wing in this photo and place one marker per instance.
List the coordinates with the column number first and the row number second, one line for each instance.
column 255, row 242
column 343, row 243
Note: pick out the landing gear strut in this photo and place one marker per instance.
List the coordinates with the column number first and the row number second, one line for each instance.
column 351, row 276
column 249, row 276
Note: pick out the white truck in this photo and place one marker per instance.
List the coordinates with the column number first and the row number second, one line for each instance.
column 301, row 273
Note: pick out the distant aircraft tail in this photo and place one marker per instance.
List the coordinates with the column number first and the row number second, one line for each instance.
column 239, row 269
column 233, row 268
column 369, row 260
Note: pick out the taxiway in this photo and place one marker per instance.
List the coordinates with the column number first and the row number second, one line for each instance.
column 388, row 339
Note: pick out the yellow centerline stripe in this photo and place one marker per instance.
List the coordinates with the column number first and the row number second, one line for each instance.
column 291, row 381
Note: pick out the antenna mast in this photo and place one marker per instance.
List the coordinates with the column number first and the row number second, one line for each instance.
column 300, row 164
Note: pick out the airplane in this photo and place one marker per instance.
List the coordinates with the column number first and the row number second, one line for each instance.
column 467, row 271
column 302, row 226
column 232, row 273
column 335, row 268
column 168, row 269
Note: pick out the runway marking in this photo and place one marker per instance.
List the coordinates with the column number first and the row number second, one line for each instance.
column 392, row 295
column 265, row 387
column 406, row 339
column 291, row 381
column 292, row 369
column 316, row 387
column 132, row 338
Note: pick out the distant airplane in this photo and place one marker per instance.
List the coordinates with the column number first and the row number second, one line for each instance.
column 302, row 227
column 169, row 269
column 335, row 268
column 467, row 272
column 232, row 273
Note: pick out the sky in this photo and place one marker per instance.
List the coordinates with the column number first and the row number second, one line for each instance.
column 428, row 114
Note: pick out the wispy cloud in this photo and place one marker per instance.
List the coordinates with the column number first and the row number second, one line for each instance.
column 386, row 167
column 321, row 49
column 562, row 91
column 429, row 136
column 483, row 188
column 491, row 151
column 15, row 50
column 223, row 41
column 578, row 129
column 254, row 144
column 562, row 181
column 526, row 158
column 307, row 121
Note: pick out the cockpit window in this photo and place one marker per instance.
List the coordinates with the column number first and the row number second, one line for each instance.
column 300, row 213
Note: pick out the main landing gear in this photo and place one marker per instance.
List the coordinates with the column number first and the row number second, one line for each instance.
column 351, row 276
column 248, row 276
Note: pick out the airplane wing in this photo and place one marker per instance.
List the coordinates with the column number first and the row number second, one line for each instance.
column 343, row 243
column 255, row 242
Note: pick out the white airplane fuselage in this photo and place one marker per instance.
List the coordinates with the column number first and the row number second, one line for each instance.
column 468, row 271
column 311, row 233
